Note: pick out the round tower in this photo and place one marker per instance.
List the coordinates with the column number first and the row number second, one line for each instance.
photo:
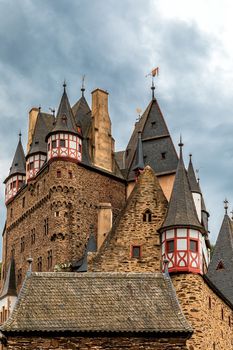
column 182, row 232
column 17, row 175
column 65, row 139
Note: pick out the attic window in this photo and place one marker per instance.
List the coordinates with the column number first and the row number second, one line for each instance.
column 64, row 119
column 153, row 124
column 36, row 142
column 163, row 155
column 220, row 265
column 136, row 251
column 147, row 216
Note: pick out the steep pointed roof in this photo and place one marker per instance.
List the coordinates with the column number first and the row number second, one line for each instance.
column 158, row 149
column 82, row 115
column 18, row 165
column 9, row 287
column 65, row 120
column 44, row 125
column 194, row 185
column 222, row 278
column 181, row 210
column 139, row 154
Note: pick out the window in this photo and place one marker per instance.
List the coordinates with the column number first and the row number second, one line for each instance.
column 20, row 183
column 193, row 246
column 70, row 175
column 229, row 321
column 50, row 259
column 62, row 143
column 19, row 276
column 163, row 155
column 56, row 214
column 23, row 202
column 59, row 173
column 220, row 265
column 210, row 304
column 214, row 347
column 48, row 146
column 54, row 144
column 170, row 246
column 147, row 216
column 39, row 264
column 222, row 314
column 31, row 165
column 46, row 226
column 136, row 251
column 153, row 124
column 33, row 236
column 11, row 213
column 14, row 184
column 80, row 148
column 22, row 244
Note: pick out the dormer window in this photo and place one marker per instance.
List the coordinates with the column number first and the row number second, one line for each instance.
column 220, row 266
column 163, row 155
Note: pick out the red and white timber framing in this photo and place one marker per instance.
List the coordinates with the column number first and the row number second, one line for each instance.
column 182, row 247
column 65, row 145
column 13, row 185
column 34, row 164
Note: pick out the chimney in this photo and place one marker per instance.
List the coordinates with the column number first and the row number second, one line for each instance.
column 104, row 222
column 101, row 140
column 31, row 125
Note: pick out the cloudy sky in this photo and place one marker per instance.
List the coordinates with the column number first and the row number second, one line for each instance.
column 115, row 44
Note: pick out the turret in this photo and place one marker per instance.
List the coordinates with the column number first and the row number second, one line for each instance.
column 16, row 178
column 182, row 232
column 65, row 139
column 37, row 154
column 139, row 165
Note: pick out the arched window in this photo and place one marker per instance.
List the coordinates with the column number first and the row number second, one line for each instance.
column 147, row 216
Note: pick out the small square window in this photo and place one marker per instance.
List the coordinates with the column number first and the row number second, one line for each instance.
column 70, row 175
column 193, row 246
column 163, row 155
column 170, row 246
column 136, row 251
column 54, row 144
column 62, row 143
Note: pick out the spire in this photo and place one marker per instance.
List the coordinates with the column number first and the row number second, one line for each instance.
column 18, row 165
column 153, row 88
column 83, row 86
column 139, row 155
column 9, row 287
column 181, row 210
column 226, row 205
column 194, row 185
column 65, row 119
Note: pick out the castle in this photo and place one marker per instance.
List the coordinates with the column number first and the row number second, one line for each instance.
column 110, row 250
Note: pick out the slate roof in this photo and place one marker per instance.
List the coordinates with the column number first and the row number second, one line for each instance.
column 82, row 115
column 97, row 302
column 194, row 185
column 44, row 125
column 18, row 165
column 139, row 164
column 181, row 209
column 9, row 288
column 223, row 252
column 155, row 141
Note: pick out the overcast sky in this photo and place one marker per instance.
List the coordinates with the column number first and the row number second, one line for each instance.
column 115, row 44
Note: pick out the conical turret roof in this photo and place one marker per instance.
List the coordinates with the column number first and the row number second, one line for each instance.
column 9, row 287
column 139, row 154
column 18, row 165
column 220, row 267
column 194, row 185
column 65, row 120
column 181, row 210
column 82, row 115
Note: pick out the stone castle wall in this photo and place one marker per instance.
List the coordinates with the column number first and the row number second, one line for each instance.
column 210, row 317
column 69, row 200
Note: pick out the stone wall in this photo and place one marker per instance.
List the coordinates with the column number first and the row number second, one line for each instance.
column 70, row 203
column 86, row 343
column 131, row 230
column 210, row 317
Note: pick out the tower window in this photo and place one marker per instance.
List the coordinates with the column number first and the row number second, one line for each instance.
column 50, row 258
column 31, row 165
column 46, row 226
column 136, row 251
column 14, row 184
column 39, row 264
column 70, row 175
column 33, row 236
column 48, row 146
column 56, row 214
column 210, row 304
column 229, row 321
column 147, row 216
column 23, row 202
column 222, row 314
column 19, row 276
column 153, row 124
column 11, row 214
column 54, row 144
column 193, row 246
column 163, row 155
column 62, row 143
column 22, row 244
column 59, row 173
column 170, row 246
column 80, row 148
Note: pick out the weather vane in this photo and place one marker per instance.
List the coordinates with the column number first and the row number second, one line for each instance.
column 139, row 111
column 225, row 205
column 153, row 73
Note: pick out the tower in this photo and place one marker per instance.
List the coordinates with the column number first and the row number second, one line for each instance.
column 65, row 139
column 182, row 232
column 16, row 178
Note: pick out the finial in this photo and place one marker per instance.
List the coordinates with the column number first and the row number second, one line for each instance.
column 226, row 205
column 166, row 262
column 39, row 108
column 197, row 175
column 29, row 260
column 190, row 156
column 153, row 88
column 52, row 110
column 20, row 134
column 83, row 86
column 232, row 214
column 64, row 85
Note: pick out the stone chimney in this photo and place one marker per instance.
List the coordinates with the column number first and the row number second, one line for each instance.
column 31, row 125
column 104, row 222
column 102, row 142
